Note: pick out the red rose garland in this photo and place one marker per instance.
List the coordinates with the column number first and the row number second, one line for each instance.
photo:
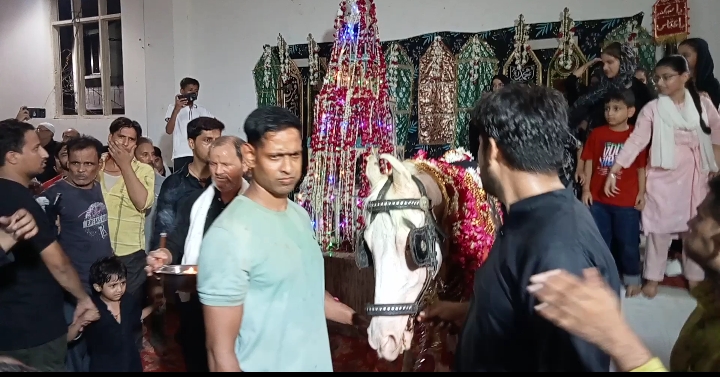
column 473, row 227
column 352, row 110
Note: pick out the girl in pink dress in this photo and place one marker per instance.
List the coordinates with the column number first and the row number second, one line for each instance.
column 682, row 129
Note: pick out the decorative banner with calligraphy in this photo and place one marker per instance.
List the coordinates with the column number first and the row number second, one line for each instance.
column 671, row 21
column 590, row 35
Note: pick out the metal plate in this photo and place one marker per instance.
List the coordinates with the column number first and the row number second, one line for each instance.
column 177, row 270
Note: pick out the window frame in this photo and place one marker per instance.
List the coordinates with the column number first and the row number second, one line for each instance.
column 78, row 58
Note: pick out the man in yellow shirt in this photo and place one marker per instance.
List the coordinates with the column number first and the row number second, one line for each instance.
column 128, row 189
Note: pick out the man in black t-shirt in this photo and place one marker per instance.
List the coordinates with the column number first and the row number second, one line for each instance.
column 32, row 322
column 522, row 131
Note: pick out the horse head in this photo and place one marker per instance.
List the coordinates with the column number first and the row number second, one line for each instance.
column 398, row 243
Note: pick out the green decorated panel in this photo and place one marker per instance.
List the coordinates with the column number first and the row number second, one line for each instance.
column 646, row 50
column 400, row 74
column 640, row 37
column 267, row 75
column 477, row 65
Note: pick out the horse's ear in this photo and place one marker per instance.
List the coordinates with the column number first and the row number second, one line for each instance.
column 401, row 175
column 372, row 170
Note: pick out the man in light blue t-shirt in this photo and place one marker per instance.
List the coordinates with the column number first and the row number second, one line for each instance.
column 260, row 272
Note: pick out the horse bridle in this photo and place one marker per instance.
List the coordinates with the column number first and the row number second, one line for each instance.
column 420, row 252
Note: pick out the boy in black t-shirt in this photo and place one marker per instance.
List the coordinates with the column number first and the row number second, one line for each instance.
column 110, row 340
column 32, row 325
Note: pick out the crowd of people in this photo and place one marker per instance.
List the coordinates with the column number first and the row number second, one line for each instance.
column 84, row 227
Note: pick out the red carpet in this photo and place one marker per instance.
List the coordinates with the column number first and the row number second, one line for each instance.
column 172, row 360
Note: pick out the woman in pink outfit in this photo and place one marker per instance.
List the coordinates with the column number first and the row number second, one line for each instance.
column 683, row 131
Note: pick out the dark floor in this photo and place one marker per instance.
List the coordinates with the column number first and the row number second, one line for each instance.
column 349, row 353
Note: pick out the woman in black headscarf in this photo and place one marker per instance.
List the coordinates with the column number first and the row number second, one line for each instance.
column 588, row 111
column 697, row 54
column 498, row 81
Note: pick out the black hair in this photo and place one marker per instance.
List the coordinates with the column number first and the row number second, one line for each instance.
column 196, row 126
column 107, row 269
column 158, row 152
column 613, row 49
column 122, row 122
column 529, row 125
column 678, row 64
column 83, row 142
column 143, row 140
column 12, row 137
column 188, row 81
column 235, row 141
column 59, row 148
column 503, row 79
column 625, row 96
column 269, row 119
column 704, row 70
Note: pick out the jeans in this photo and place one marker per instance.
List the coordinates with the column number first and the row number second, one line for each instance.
column 621, row 225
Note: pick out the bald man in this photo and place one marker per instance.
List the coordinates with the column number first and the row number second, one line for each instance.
column 70, row 133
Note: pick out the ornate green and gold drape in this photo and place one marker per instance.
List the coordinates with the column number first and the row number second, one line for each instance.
column 476, row 65
column 498, row 45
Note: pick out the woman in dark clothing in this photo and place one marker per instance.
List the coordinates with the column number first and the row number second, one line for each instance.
column 498, row 81
column 619, row 65
column 697, row 54
column 588, row 110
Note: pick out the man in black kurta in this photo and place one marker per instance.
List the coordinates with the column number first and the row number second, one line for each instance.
column 523, row 129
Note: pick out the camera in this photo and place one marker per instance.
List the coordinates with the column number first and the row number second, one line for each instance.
column 190, row 97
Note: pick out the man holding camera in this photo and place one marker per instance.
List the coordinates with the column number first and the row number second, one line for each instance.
column 177, row 118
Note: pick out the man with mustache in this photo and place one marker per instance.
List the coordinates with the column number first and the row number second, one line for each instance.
column 522, row 132
column 76, row 203
column 61, row 161
column 183, row 243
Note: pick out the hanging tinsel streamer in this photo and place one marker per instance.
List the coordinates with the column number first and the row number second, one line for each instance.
column 352, row 117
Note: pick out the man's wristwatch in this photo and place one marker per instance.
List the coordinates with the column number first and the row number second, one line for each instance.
column 613, row 175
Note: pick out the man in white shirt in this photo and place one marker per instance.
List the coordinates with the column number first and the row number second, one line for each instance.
column 177, row 118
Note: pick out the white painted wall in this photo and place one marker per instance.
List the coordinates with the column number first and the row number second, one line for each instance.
column 219, row 41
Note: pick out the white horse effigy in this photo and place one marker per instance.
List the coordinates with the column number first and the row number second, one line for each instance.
column 430, row 225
